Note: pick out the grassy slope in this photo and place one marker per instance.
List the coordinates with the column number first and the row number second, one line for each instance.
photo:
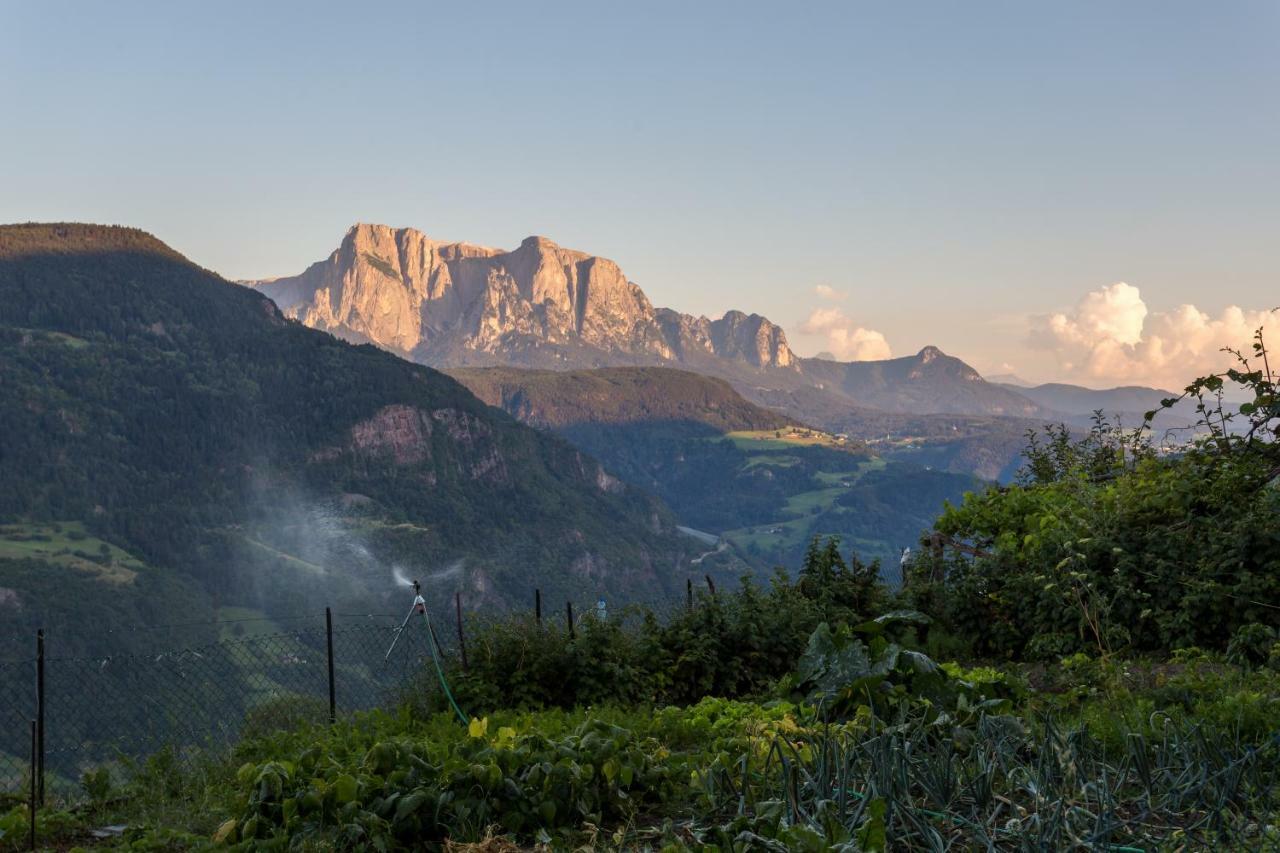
column 794, row 526
column 67, row 544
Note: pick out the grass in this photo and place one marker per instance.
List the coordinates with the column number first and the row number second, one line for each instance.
column 794, row 527
column 806, row 502
column 773, row 459
column 281, row 555
column 790, row 533
column 369, row 523
column 832, row 478
column 66, row 543
column 834, row 482
column 768, row 439
column 57, row 337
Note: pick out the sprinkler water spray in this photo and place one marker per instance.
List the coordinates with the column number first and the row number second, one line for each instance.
column 419, row 607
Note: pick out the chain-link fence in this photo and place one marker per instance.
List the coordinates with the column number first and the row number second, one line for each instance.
column 17, row 709
column 128, row 693
column 100, row 710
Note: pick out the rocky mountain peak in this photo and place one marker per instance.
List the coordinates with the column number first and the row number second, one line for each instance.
column 932, row 360
column 753, row 339
column 929, row 353
column 540, row 305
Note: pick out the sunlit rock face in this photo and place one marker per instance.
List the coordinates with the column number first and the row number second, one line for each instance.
column 541, row 305
column 537, row 305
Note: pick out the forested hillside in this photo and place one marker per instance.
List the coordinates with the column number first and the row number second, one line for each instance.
column 1108, row 545
column 726, row 466
column 617, row 395
column 167, row 430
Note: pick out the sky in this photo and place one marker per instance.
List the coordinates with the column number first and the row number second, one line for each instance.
column 1085, row 191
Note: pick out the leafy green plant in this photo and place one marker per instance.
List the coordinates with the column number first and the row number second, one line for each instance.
column 1108, row 545
column 97, row 784
column 404, row 789
column 1252, row 644
column 851, row 669
column 731, row 644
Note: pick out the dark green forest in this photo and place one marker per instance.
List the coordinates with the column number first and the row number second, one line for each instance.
column 183, row 420
column 617, row 395
column 678, row 436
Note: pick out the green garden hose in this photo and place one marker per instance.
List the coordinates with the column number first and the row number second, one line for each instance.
column 444, row 682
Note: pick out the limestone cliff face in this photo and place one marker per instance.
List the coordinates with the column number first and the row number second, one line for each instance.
column 538, row 305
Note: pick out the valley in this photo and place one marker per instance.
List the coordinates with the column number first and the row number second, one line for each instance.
column 541, row 306
column 175, row 445
column 637, row 428
column 726, row 466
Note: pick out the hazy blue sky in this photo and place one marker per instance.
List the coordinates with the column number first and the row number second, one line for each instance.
column 954, row 170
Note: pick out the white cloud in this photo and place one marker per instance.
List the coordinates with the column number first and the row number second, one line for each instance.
column 1112, row 337
column 826, row 291
column 844, row 338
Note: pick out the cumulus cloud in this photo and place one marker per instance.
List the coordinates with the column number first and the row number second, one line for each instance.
column 844, row 338
column 826, row 291
column 1112, row 337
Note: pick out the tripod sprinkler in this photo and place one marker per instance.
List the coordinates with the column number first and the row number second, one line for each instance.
column 419, row 606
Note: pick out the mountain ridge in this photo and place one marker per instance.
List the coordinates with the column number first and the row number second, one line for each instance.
column 459, row 304
column 1080, row 400
column 542, row 306
column 616, row 395
column 186, row 421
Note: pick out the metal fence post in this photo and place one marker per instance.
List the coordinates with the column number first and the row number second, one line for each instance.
column 39, row 722
column 568, row 615
column 688, row 593
column 537, row 606
column 32, row 829
column 462, row 640
column 333, row 695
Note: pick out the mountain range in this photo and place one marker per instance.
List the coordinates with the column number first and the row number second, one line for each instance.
column 544, row 306
column 175, row 445
column 1131, row 400
column 174, row 440
column 541, row 306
